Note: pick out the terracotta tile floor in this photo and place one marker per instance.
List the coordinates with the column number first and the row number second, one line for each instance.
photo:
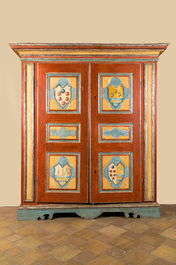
column 72, row 241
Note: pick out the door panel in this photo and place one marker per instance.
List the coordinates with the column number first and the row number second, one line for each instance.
column 115, row 133
column 62, row 133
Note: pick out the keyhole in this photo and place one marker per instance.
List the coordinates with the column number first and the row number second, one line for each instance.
column 95, row 97
column 95, row 171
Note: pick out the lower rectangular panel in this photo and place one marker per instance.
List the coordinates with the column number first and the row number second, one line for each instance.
column 65, row 178
column 115, row 172
column 63, row 172
column 116, row 178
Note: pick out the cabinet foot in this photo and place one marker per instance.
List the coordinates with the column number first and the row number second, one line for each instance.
column 41, row 212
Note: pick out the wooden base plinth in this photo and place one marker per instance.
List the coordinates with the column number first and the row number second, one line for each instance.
column 147, row 210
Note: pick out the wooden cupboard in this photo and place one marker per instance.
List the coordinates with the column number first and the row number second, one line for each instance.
column 88, row 129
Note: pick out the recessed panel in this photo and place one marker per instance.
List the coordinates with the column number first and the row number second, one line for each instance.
column 115, row 93
column 63, row 93
column 149, row 130
column 63, row 172
column 115, row 172
column 115, row 133
column 60, row 132
column 29, row 133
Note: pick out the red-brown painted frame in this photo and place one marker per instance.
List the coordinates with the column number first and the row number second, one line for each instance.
column 43, row 147
column 96, row 147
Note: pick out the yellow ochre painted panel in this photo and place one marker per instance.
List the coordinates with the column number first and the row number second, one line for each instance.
column 55, row 101
column 125, row 81
column 149, row 132
column 72, row 183
column 106, row 183
column 29, row 147
column 86, row 52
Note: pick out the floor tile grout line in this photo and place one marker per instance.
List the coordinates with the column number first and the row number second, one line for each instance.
column 106, row 252
column 48, row 259
column 162, row 259
column 83, row 244
column 155, row 247
column 13, row 258
column 31, row 250
column 69, row 242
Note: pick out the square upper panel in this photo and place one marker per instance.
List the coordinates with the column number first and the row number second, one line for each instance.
column 115, row 93
column 115, row 172
column 63, row 93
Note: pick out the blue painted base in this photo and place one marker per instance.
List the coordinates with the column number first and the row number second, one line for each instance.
column 149, row 210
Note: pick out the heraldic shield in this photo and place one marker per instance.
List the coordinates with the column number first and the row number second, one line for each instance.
column 63, row 93
column 62, row 172
column 115, row 172
column 115, row 93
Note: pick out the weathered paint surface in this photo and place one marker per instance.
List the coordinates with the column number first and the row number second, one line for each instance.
column 89, row 213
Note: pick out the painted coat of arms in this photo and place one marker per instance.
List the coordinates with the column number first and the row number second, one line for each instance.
column 63, row 93
column 115, row 172
column 115, row 93
column 62, row 172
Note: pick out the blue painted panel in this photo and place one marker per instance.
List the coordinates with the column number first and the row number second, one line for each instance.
column 89, row 213
column 63, row 133
column 115, row 133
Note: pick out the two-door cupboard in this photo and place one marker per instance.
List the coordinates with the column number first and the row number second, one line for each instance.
column 88, row 129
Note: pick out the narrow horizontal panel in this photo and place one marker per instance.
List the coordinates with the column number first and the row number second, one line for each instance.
column 119, row 52
column 114, row 132
column 63, row 132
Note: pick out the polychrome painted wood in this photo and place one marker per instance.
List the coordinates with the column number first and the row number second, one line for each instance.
column 63, row 172
column 121, row 132
column 63, row 132
column 89, row 211
column 89, row 128
column 117, row 82
column 115, row 92
column 29, row 132
column 62, row 163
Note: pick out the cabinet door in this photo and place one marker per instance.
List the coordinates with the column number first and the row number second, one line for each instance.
column 62, row 127
column 115, row 133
